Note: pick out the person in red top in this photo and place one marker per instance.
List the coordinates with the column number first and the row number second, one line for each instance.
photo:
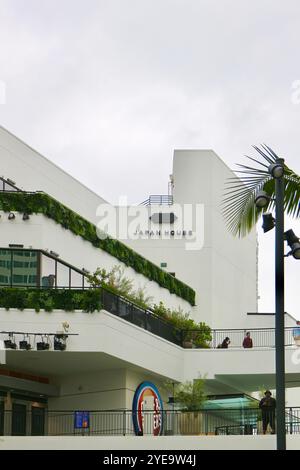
column 248, row 343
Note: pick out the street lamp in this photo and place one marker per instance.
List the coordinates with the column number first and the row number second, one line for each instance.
column 277, row 171
column 294, row 243
column 262, row 199
column 268, row 222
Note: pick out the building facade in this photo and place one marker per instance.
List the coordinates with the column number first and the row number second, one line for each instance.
column 70, row 346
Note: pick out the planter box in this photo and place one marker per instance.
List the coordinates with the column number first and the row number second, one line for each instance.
column 190, row 423
column 297, row 340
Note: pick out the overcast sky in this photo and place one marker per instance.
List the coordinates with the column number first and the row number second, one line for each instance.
column 108, row 88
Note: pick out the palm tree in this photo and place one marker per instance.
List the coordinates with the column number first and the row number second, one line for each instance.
column 239, row 209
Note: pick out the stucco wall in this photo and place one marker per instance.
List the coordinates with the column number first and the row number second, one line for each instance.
column 41, row 232
column 148, row 442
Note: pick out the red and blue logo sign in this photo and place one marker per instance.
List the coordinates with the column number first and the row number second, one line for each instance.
column 147, row 410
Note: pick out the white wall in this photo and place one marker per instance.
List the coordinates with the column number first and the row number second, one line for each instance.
column 107, row 443
column 98, row 390
column 102, row 390
column 98, row 332
column 102, row 337
column 224, row 270
column 42, row 233
column 33, row 172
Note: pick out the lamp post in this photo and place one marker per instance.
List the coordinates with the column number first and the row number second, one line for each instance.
column 276, row 170
column 279, row 310
column 240, row 217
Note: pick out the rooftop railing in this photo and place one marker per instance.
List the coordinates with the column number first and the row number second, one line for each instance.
column 8, row 185
column 158, row 200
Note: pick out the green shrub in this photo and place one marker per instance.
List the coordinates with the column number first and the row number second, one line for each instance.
column 50, row 299
column 198, row 333
column 190, row 395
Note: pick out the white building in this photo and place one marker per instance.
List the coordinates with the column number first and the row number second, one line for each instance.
column 49, row 242
column 221, row 268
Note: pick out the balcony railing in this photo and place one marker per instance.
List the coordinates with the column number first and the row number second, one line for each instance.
column 158, row 200
column 43, row 422
column 8, row 185
column 145, row 319
column 49, row 272
column 261, row 337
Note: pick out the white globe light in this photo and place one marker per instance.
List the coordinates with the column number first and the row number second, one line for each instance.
column 276, row 170
column 262, row 199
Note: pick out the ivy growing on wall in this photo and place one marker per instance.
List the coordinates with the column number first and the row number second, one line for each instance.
column 41, row 203
column 50, row 299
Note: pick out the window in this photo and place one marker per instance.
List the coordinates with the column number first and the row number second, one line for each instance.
column 19, row 267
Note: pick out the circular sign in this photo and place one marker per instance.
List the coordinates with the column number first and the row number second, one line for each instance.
column 147, row 410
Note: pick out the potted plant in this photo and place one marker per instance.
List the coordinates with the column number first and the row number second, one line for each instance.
column 188, row 341
column 189, row 397
column 197, row 336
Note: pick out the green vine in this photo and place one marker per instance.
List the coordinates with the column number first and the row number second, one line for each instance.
column 50, row 299
column 197, row 333
column 41, row 203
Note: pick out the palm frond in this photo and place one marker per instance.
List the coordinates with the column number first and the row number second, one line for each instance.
column 238, row 206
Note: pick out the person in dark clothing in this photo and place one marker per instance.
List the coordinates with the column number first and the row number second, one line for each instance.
column 225, row 343
column 268, row 406
column 247, row 343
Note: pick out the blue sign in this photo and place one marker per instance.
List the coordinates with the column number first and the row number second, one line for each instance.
column 81, row 419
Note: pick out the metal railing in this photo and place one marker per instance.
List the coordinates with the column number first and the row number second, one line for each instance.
column 7, row 185
column 261, row 338
column 128, row 311
column 131, row 312
column 143, row 318
column 43, row 422
column 158, row 200
column 149, row 321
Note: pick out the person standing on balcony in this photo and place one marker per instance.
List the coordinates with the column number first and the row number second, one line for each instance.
column 225, row 343
column 268, row 407
column 247, row 343
column 296, row 333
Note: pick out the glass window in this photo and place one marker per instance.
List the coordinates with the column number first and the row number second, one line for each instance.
column 18, row 268
column 5, row 266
